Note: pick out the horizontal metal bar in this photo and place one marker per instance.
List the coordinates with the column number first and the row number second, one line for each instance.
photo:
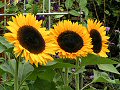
column 52, row 13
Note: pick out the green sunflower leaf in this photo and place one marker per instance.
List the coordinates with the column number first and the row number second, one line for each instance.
column 62, row 65
column 24, row 71
column 94, row 59
column 48, row 74
column 8, row 67
column 104, row 77
column 41, row 84
column 44, row 72
column 108, row 67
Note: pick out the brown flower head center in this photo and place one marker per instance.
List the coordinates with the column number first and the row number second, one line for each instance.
column 31, row 39
column 70, row 41
column 96, row 41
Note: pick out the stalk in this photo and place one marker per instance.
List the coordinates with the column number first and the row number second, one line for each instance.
column 77, row 77
column 66, row 77
column 16, row 75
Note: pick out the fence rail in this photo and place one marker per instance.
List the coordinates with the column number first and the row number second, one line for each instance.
column 49, row 13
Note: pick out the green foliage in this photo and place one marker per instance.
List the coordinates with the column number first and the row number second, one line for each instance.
column 24, row 71
column 74, row 13
column 41, row 84
column 58, row 16
column 1, row 4
column 2, row 48
column 99, row 2
column 108, row 67
column 82, row 3
column 64, row 88
column 46, row 5
column 5, row 87
column 12, row 9
column 9, row 67
column 94, row 59
column 42, row 74
column 4, row 45
column 68, row 4
column 48, row 74
column 104, row 77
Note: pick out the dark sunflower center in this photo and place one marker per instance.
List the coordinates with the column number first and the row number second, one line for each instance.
column 31, row 39
column 70, row 41
column 96, row 40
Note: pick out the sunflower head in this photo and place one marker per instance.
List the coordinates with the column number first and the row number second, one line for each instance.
column 29, row 39
column 99, row 38
column 72, row 40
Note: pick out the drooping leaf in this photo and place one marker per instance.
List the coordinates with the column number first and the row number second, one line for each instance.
column 108, row 67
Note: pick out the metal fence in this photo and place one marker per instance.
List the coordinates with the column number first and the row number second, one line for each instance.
column 49, row 13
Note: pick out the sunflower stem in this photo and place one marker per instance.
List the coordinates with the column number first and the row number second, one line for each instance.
column 16, row 75
column 77, row 77
column 66, row 77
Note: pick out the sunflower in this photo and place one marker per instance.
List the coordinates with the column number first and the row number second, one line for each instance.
column 71, row 40
column 29, row 39
column 99, row 38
